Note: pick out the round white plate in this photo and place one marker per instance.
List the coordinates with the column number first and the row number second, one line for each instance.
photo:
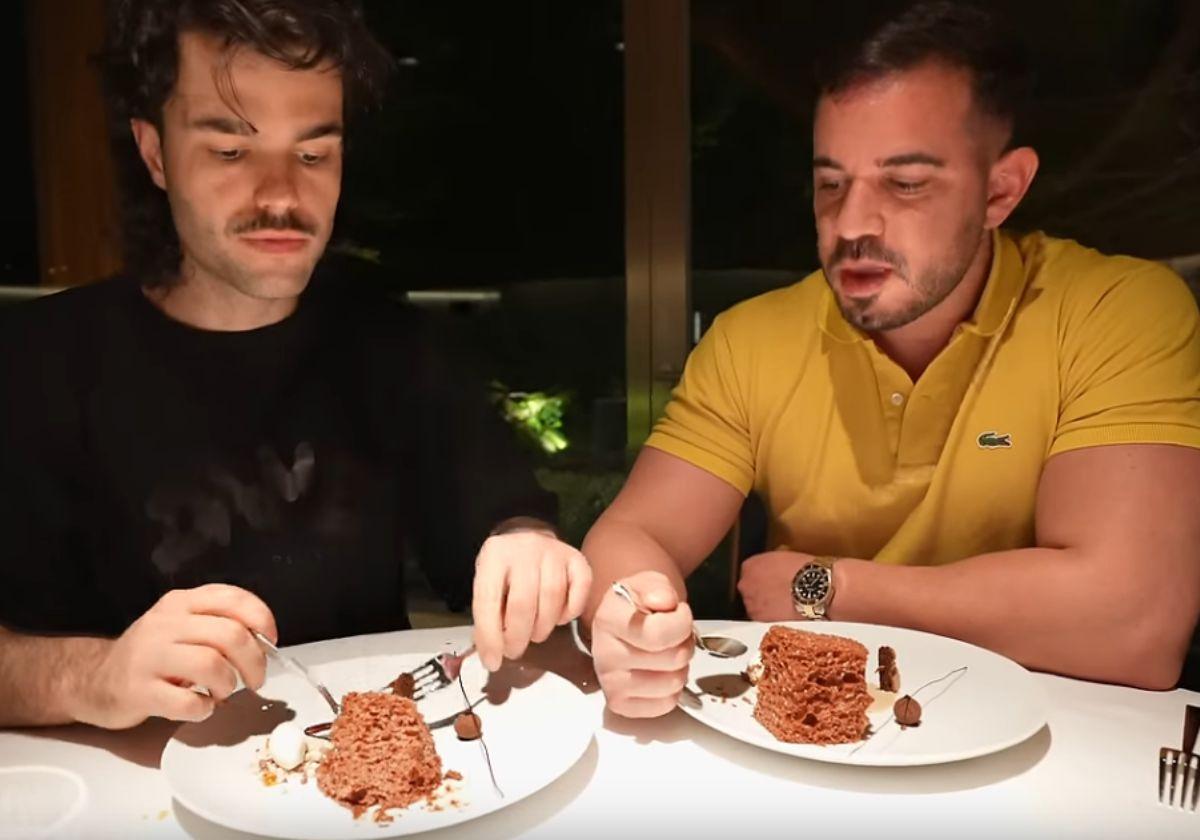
column 991, row 706
column 534, row 732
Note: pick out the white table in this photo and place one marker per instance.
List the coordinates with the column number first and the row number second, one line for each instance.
column 1091, row 773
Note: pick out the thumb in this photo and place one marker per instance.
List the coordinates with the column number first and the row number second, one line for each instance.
column 654, row 591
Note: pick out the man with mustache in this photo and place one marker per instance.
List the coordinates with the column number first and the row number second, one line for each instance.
column 223, row 443
column 953, row 428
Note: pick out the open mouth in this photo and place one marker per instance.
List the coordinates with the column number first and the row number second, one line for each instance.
column 862, row 279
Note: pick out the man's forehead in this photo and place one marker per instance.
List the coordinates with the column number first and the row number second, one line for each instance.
column 219, row 78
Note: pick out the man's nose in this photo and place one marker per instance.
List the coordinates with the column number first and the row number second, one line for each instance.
column 859, row 214
column 276, row 191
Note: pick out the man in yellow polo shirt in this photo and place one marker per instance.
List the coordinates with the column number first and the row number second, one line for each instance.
column 953, row 428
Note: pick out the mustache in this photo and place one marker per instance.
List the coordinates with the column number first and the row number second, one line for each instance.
column 289, row 221
column 866, row 248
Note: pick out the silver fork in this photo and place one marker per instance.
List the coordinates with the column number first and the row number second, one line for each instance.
column 1179, row 770
column 434, row 674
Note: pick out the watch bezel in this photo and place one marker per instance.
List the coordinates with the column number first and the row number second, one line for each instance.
column 812, row 606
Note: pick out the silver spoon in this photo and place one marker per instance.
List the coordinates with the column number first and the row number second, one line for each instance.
column 722, row 647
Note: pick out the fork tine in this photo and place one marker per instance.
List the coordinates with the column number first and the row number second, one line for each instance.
column 428, row 667
column 1171, row 759
column 1186, row 779
column 1164, row 761
column 1176, row 779
column 1193, row 773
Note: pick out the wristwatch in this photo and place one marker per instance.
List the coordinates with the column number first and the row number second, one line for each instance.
column 812, row 588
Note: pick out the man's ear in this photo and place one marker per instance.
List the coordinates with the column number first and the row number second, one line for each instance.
column 149, row 143
column 1008, row 181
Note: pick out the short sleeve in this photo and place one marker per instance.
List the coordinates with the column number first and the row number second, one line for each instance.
column 706, row 421
column 1130, row 363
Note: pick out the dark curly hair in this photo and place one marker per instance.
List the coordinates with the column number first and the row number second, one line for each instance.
column 140, row 66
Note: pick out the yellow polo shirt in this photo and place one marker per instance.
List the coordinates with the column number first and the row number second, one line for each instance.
column 1068, row 348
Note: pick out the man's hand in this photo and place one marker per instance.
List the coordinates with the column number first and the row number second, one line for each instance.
column 642, row 660
column 526, row 583
column 191, row 638
column 765, row 584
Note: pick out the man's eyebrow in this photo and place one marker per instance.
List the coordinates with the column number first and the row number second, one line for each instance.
column 223, row 125
column 912, row 158
column 822, row 162
column 329, row 129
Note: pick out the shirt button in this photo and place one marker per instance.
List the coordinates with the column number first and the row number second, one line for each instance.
column 897, row 398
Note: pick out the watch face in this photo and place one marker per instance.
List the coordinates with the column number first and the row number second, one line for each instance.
column 811, row 585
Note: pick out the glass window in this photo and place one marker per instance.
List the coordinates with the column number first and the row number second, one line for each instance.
column 490, row 188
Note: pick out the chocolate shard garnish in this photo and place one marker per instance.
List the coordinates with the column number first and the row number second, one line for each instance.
column 889, row 674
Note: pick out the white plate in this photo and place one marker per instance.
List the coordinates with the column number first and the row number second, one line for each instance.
column 534, row 733
column 993, row 705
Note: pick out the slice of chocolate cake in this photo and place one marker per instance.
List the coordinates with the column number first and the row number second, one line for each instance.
column 813, row 688
column 383, row 754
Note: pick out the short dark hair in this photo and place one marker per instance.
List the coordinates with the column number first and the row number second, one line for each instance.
column 140, row 67
column 960, row 34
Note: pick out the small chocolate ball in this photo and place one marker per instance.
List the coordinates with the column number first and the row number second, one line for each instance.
column 468, row 727
column 907, row 711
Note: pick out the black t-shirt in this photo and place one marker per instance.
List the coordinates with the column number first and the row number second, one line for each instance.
column 299, row 461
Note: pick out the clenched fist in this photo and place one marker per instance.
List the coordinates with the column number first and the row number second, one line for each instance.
column 642, row 660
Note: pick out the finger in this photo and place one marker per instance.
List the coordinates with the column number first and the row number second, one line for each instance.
column 651, row 685
column 657, row 632
column 653, row 590
column 642, row 707
column 552, row 594
column 232, row 640
column 198, row 665
column 520, row 606
column 175, row 703
column 487, row 604
column 613, row 654
column 220, row 599
column 579, row 586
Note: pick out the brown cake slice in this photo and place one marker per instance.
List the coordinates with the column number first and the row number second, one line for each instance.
column 383, row 754
column 813, row 688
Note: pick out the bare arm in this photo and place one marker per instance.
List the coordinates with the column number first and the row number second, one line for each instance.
column 41, row 678
column 667, row 518
column 1110, row 593
column 194, row 637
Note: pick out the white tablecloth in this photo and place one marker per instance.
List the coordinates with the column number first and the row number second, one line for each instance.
column 1092, row 772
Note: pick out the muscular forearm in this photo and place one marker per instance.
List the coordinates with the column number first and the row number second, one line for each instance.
column 42, row 679
column 1050, row 609
column 616, row 549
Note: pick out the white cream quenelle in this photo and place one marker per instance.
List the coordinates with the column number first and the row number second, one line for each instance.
column 287, row 746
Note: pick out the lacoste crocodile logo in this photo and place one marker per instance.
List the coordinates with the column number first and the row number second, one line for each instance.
column 992, row 440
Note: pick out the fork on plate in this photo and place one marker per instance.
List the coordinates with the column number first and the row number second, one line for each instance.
column 432, row 675
column 1179, row 770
